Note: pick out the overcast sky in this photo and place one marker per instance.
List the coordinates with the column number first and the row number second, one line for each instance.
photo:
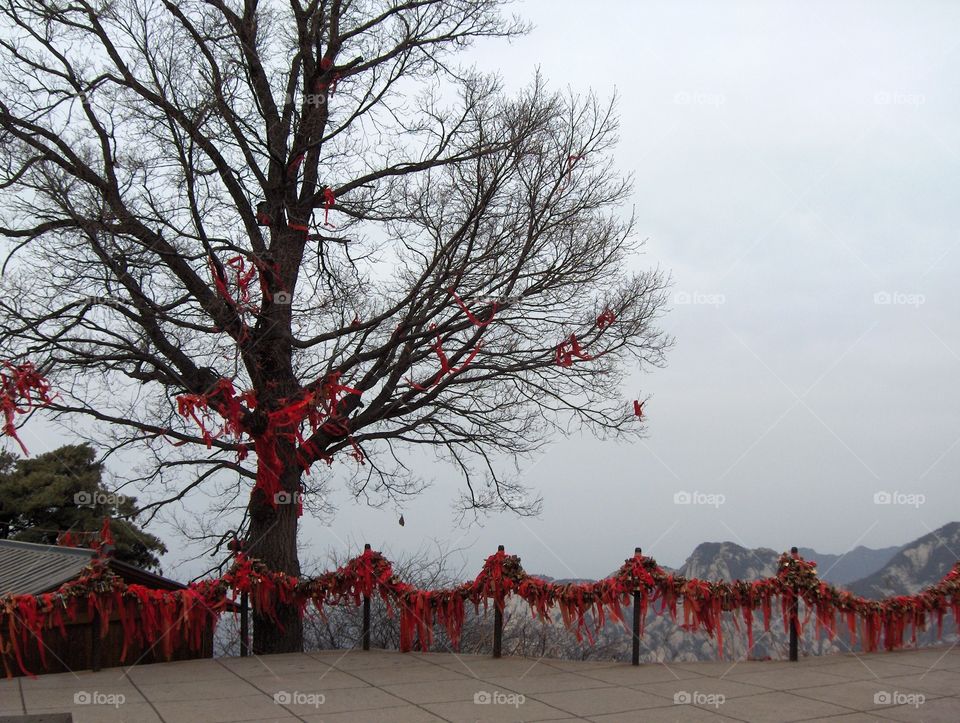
column 796, row 167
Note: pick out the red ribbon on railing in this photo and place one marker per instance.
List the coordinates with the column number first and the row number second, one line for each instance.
column 148, row 615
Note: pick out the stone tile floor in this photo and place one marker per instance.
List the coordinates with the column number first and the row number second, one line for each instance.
column 383, row 686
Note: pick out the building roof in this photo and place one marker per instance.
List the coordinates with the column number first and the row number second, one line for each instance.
column 31, row 568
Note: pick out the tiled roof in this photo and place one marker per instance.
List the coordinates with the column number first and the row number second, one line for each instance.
column 26, row 567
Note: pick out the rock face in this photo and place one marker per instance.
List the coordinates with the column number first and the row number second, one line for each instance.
column 858, row 563
column 915, row 566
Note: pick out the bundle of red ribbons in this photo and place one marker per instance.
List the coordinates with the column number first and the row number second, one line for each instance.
column 163, row 617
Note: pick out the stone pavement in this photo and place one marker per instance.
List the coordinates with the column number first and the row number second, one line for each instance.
column 382, row 687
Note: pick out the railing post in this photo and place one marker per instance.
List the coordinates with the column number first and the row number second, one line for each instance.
column 794, row 619
column 365, row 639
column 635, row 659
column 244, row 625
column 497, row 623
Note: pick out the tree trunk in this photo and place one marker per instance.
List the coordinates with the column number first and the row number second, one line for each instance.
column 273, row 539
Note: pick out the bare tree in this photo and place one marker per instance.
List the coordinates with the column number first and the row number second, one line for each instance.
column 312, row 203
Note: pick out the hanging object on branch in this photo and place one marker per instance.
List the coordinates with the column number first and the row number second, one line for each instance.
column 295, row 163
column 638, row 408
column 328, row 86
column 570, row 349
column 606, row 319
column 329, row 199
column 22, row 389
column 445, row 367
column 466, row 310
column 571, row 162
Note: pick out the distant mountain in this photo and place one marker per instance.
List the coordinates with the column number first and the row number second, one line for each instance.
column 729, row 561
column 915, row 566
column 858, row 563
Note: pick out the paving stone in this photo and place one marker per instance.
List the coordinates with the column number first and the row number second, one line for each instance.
column 332, row 680
column 631, row 676
column 780, row 707
column 785, row 680
column 602, row 701
column 529, row 710
column 727, row 688
column 559, row 681
column 859, row 695
column 245, row 708
column 940, row 710
column 934, row 682
column 67, row 697
column 670, row 714
column 126, row 713
column 400, row 714
column 446, row 691
column 357, row 686
column 179, row 671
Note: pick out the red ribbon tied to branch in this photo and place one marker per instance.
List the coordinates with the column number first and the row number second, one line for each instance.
column 606, row 319
column 445, row 367
column 470, row 315
column 329, row 199
column 22, row 389
column 570, row 349
column 571, row 162
column 638, row 408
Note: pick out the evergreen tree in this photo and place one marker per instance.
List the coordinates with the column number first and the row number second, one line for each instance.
column 62, row 492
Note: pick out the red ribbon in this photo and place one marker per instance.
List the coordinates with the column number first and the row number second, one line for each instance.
column 329, row 199
column 473, row 319
column 22, row 388
column 570, row 349
column 445, row 367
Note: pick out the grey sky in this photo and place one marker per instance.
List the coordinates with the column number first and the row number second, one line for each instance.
column 792, row 160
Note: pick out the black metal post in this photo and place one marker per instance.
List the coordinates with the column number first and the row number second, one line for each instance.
column 244, row 625
column 497, row 623
column 365, row 639
column 794, row 619
column 635, row 659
